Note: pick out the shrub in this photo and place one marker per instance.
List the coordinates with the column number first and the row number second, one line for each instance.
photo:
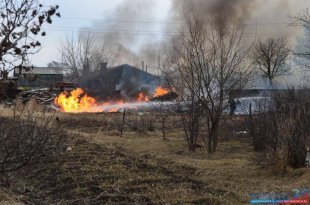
column 281, row 135
column 28, row 137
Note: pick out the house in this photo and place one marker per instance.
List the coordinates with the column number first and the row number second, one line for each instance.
column 257, row 92
column 124, row 80
column 258, row 86
column 38, row 76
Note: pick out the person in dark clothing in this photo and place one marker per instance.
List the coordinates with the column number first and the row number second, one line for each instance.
column 232, row 105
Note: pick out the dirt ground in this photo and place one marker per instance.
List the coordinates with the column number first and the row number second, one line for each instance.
column 102, row 167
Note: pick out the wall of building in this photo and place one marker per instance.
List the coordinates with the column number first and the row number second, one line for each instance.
column 39, row 80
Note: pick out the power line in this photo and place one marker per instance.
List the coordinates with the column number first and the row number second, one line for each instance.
column 165, row 22
column 107, row 28
column 151, row 33
column 120, row 20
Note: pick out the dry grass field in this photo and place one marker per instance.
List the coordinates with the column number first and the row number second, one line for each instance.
column 102, row 167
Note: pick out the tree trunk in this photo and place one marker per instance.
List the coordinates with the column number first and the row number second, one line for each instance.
column 209, row 143
column 214, row 145
column 213, row 138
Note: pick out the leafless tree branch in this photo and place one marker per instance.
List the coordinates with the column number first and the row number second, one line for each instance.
column 20, row 24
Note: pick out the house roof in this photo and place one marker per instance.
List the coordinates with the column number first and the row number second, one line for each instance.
column 125, row 79
column 128, row 68
column 125, row 72
column 41, row 71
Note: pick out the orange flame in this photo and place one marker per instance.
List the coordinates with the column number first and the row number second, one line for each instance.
column 159, row 91
column 142, row 97
column 77, row 101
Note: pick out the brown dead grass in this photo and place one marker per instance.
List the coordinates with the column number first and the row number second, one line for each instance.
column 141, row 167
column 94, row 174
column 230, row 169
column 7, row 198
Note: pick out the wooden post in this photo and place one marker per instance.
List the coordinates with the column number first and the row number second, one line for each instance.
column 123, row 122
column 250, row 110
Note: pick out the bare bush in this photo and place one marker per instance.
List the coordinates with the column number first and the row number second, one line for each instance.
column 258, row 123
column 27, row 137
column 281, row 135
column 132, row 122
column 295, row 109
column 146, row 122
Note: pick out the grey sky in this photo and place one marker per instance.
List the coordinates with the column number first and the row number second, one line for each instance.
column 270, row 14
column 77, row 14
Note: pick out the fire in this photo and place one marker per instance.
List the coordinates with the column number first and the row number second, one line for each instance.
column 159, row 91
column 77, row 101
column 142, row 97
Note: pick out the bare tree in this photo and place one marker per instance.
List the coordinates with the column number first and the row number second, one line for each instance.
column 303, row 17
column 84, row 53
column 182, row 79
column 269, row 57
column 21, row 23
column 302, row 51
column 208, row 59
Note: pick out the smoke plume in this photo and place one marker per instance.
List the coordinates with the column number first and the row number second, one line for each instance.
column 242, row 9
column 127, row 35
column 124, row 27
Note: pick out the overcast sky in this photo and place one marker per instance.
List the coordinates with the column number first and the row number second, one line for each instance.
column 77, row 14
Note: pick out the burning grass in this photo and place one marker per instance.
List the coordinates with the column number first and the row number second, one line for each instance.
column 78, row 101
